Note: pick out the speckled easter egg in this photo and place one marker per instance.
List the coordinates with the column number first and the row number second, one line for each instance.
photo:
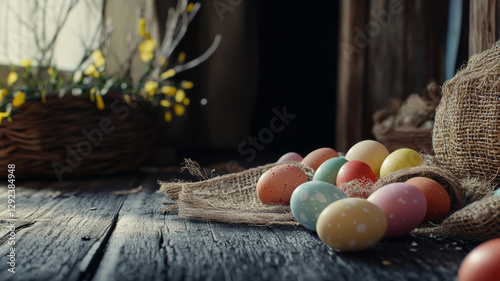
column 290, row 156
column 318, row 156
column 276, row 185
column 351, row 224
column 310, row 198
column 403, row 204
column 328, row 171
column 438, row 200
column 371, row 152
column 400, row 159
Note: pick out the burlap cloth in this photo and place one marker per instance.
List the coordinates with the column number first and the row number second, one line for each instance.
column 229, row 198
column 466, row 141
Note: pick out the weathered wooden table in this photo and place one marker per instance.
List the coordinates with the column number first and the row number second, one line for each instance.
column 83, row 230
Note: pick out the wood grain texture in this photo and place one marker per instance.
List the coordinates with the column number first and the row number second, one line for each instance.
column 135, row 250
column 69, row 225
column 351, row 74
column 397, row 49
column 484, row 23
column 408, row 50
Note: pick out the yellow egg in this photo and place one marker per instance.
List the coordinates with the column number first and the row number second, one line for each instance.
column 371, row 152
column 351, row 224
column 400, row 159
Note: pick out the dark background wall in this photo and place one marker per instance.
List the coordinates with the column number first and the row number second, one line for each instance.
column 298, row 62
column 273, row 54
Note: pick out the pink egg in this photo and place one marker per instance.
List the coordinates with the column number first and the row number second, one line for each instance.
column 290, row 156
column 404, row 206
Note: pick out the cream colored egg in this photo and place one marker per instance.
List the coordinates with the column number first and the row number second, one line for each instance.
column 371, row 152
column 351, row 224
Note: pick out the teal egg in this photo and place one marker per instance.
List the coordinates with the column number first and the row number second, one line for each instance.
column 497, row 193
column 328, row 170
column 310, row 198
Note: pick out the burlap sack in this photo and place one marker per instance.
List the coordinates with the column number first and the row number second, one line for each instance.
column 229, row 198
column 466, row 135
column 474, row 213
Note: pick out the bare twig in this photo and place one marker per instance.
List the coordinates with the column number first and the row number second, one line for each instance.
column 202, row 58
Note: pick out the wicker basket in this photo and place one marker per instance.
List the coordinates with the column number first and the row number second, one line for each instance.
column 419, row 139
column 408, row 123
column 69, row 137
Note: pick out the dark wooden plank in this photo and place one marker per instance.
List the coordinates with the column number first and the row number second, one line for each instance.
column 69, row 225
column 135, row 250
column 406, row 51
column 484, row 27
column 351, row 74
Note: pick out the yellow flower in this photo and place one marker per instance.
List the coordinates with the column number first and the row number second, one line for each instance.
column 187, row 85
column 50, row 71
column 91, row 70
column 163, row 61
column 151, row 87
column 179, row 109
column 168, row 116
column 142, row 26
column 181, row 57
column 190, row 7
column 26, row 62
column 99, row 60
column 42, row 94
column 166, row 103
column 146, row 49
column 126, row 98
column 180, row 95
column 92, row 94
column 3, row 93
column 12, row 78
column 99, row 102
column 19, row 99
column 167, row 74
column 186, row 101
column 4, row 115
column 168, row 90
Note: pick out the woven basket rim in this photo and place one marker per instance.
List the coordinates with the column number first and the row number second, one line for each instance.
column 115, row 139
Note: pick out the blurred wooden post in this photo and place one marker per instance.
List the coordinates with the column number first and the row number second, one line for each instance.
column 484, row 25
column 351, row 73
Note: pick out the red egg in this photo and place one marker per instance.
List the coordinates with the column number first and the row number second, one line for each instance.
column 276, row 185
column 356, row 170
column 482, row 263
column 438, row 200
column 318, row 156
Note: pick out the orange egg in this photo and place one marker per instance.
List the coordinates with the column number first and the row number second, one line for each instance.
column 276, row 185
column 438, row 200
column 318, row 156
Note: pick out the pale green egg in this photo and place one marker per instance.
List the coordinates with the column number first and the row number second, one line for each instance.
column 310, row 198
column 328, row 170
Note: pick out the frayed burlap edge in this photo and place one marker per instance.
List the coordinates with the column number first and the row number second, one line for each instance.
column 230, row 198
